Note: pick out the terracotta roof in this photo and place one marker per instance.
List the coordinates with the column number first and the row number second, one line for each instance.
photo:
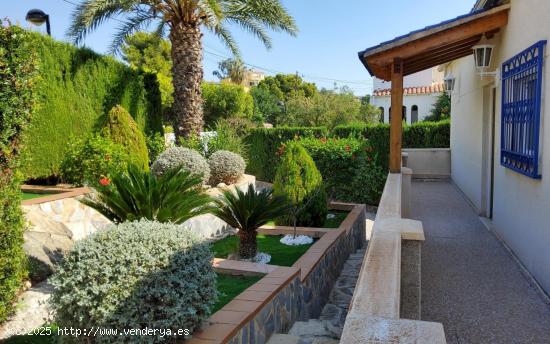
column 437, row 88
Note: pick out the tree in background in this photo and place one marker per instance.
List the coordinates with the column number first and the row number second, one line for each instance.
column 232, row 69
column 185, row 21
column 441, row 109
column 225, row 100
column 151, row 53
column 267, row 107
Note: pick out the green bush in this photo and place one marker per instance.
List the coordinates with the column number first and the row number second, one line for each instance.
column 155, row 145
column 135, row 275
column 17, row 101
column 418, row 135
column 225, row 167
column 300, row 182
column 89, row 160
column 344, row 163
column 225, row 100
column 77, row 88
column 264, row 148
column 121, row 128
column 175, row 196
column 225, row 138
column 179, row 157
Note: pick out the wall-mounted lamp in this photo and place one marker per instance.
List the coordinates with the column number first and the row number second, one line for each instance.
column 38, row 17
column 483, row 54
column 449, row 82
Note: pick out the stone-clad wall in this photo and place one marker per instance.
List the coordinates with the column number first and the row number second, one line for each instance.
column 318, row 284
column 276, row 316
column 286, row 294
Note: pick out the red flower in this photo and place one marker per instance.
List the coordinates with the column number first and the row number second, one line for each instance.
column 104, row 181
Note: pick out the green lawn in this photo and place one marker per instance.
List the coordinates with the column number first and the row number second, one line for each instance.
column 27, row 195
column 230, row 286
column 282, row 255
column 329, row 223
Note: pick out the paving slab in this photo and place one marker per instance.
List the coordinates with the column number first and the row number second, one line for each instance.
column 470, row 282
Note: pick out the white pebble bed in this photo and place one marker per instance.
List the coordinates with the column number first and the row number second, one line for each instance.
column 290, row 240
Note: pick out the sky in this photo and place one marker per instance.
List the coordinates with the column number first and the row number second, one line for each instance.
column 324, row 51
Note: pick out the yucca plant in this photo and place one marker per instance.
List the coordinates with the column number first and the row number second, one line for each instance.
column 175, row 196
column 247, row 211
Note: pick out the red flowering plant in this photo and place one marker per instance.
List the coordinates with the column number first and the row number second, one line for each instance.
column 104, row 181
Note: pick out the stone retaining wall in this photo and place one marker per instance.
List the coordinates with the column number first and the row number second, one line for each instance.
column 286, row 294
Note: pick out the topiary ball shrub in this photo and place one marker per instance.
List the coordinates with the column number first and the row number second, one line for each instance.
column 299, row 180
column 121, row 128
column 179, row 157
column 225, row 167
column 140, row 275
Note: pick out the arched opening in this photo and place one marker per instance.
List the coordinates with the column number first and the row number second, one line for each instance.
column 389, row 115
column 414, row 114
column 381, row 114
column 404, row 118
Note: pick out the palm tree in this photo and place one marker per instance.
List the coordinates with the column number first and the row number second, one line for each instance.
column 185, row 20
column 247, row 212
column 233, row 69
column 175, row 197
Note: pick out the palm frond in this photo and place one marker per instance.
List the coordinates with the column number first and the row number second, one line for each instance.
column 249, row 210
column 270, row 13
column 227, row 39
column 176, row 196
column 89, row 14
column 134, row 23
column 255, row 28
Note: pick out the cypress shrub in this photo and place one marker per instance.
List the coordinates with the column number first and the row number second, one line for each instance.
column 76, row 89
column 121, row 128
column 264, row 145
column 299, row 180
column 17, row 81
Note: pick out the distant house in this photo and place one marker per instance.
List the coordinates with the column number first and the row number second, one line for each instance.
column 420, row 92
column 251, row 78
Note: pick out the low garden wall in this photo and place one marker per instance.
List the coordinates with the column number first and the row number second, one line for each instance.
column 429, row 162
column 285, row 294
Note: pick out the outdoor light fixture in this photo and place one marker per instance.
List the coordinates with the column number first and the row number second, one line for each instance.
column 38, row 17
column 449, row 82
column 483, row 54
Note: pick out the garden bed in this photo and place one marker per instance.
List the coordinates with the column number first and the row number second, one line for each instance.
column 229, row 286
column 285, row 294
column 281, row 254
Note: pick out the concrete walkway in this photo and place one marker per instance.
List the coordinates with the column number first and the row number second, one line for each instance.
column 470, row 283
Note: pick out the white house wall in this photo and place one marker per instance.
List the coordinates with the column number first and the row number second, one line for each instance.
column 424, row 102
column 521, row 210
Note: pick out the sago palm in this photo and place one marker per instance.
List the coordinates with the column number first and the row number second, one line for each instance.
column 185, row 20
column 175, row 197
column 247, row 211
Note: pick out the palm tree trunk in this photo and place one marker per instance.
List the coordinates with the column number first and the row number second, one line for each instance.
column 248, row 246
column 187, row 77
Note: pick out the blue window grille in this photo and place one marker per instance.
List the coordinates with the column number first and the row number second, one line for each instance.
column 521, row 107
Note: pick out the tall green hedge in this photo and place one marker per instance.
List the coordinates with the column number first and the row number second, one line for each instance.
column 264, row 147
column 418, row 135
column 17, row 80
column 77, row 88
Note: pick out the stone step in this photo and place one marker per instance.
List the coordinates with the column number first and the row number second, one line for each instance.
column 278, row 338
column 312, row 329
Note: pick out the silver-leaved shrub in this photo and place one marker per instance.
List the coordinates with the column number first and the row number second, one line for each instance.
column 225, row 167
column 135, row 275
column 179, row 157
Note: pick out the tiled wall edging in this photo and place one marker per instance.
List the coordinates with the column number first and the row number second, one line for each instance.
column 284, row 295
column 56, row 193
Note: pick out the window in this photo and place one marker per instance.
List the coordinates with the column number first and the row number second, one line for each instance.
column 381, row 114
column 521, row 107
column 414, row 114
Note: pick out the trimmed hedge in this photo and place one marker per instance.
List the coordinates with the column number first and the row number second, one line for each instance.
column 17, row 80
column 418, row 135
column 77, row 88
column 349, row 168
column 264, row 147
